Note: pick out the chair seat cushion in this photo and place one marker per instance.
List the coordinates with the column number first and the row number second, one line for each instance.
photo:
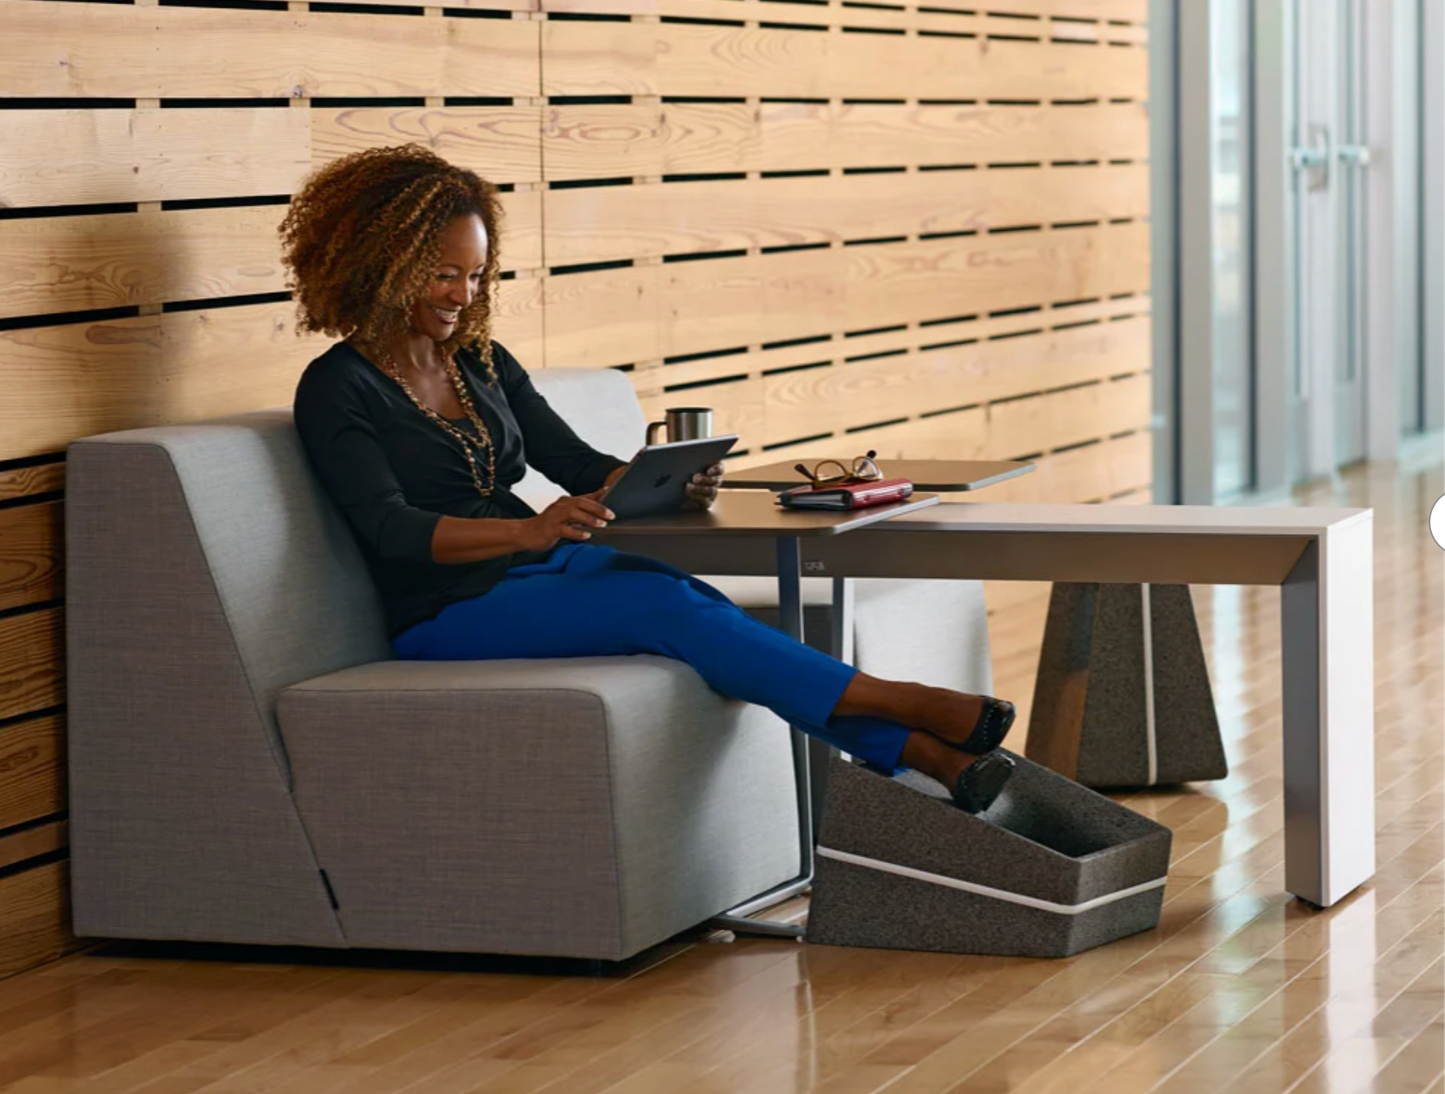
column 617, row 800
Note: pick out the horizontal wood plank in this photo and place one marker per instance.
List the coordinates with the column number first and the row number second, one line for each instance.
column 618, row 316
column 1086, row 13
column 830, row 349
column 1136, row 11
column 32, row 769
column 1090, row 473
column 500, row 143
column 32, row 662
column 799, row 136
column 695, row 138
column 718, row 60
column 622, row 140
column 31, row 843
column 50, row 265
column 708, row 60
column 124, row 155
column 595, row 58
column 1056, row 419
column 860, row 392
column 1014, row 376
column 598, row 224
column 467, row 5
column 74, row 380
column 24, row 482
column 31, row 549
column 97, row 50
column 34, row 918
column 57, row 264
column 836, row 15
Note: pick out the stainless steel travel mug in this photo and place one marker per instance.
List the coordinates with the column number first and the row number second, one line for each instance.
column 682, row 423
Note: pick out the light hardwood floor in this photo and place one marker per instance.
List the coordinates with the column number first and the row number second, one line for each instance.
column 1238, row 989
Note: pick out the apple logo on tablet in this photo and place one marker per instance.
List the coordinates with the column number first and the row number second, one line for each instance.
column 661, row 481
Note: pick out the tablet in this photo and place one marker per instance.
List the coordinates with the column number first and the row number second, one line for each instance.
column 655, row 482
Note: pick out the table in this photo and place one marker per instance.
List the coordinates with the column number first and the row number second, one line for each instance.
column 1322, row 559
column 755, row 519
column 943, row 475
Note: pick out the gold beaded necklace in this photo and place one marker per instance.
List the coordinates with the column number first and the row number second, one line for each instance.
column 469, row 445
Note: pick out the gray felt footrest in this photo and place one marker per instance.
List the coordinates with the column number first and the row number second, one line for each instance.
column 1050, row 869
column 1122, row 698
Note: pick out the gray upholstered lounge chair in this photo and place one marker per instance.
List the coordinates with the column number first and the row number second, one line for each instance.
column 248, row 764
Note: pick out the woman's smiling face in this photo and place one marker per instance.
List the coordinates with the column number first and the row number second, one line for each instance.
column 457, row 282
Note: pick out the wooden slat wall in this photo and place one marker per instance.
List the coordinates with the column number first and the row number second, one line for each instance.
column 917, row 227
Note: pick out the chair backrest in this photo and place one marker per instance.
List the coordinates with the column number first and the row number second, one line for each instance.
column 601, row 405
column 205, row 573
column 230, row 508
column 212, row 541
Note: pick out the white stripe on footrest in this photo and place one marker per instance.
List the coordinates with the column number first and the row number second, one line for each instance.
column 1151, row 741
column 984, row 890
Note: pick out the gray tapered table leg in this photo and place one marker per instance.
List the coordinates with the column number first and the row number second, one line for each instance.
column 790, row 611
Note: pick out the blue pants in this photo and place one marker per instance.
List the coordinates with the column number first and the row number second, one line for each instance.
column 590, row 601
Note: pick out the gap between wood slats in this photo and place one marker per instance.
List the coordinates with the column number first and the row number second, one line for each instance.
column 19, row 848
column 27, row 480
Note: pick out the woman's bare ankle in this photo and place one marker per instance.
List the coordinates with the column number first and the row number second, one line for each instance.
column 941, row 762
column 948, row 715
column 951, row 715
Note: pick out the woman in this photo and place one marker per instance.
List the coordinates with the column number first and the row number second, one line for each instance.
column 418, row 425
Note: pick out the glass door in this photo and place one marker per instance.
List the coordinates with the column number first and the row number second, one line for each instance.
column 1230, row 168
column 1290, row 155
column 1333, row 256
column 1352, row 161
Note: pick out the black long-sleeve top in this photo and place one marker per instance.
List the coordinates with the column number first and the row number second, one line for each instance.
column 394, row 473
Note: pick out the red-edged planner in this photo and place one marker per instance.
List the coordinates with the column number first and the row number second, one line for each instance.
column 857, row 495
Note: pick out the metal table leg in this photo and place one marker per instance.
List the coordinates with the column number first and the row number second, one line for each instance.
column 840, row 645
column 1327, row 625
column 790, row 610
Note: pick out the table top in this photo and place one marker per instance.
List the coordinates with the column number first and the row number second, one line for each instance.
column 757, row 514
column 923, row 474
column 1207, row 520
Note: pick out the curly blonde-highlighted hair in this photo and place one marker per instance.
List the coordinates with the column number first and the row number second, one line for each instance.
column 362, row 240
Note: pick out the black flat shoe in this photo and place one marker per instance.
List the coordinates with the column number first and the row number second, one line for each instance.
column 981, row 782
column 991, row 728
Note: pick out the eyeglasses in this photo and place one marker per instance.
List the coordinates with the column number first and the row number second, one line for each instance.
column 834, row 473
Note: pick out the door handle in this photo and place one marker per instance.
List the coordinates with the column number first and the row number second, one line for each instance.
column 1313, row 160
column 1356, row 155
